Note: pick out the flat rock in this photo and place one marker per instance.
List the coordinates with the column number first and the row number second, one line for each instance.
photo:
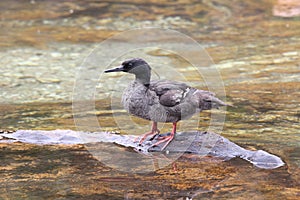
column 195, row 142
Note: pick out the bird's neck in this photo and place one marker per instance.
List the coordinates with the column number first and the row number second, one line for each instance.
column 143, row 78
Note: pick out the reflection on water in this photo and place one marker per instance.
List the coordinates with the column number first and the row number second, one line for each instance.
column 256, row 53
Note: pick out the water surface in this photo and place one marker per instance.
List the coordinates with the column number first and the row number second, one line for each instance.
column 256, row 53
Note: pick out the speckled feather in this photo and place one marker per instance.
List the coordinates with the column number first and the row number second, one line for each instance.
column 167, row 101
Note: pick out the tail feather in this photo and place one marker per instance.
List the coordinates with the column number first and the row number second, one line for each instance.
column 215, row 102
column 207, row 100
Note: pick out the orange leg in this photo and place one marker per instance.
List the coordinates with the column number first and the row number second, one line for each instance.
column 154, row 131
column 167, row 139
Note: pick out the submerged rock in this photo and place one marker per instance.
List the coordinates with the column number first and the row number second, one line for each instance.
column 198, row 143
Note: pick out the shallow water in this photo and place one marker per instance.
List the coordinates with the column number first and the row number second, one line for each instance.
column 257, row 55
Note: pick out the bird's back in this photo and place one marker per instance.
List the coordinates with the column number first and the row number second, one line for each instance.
column 166, row 101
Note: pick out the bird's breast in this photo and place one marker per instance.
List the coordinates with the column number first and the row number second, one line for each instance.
column 137, row 100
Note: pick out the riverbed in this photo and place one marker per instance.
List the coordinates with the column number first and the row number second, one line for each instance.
column 252, row 48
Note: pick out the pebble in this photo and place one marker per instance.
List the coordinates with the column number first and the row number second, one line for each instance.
column 48, row 80
column 10, row 131
column 27, row 62
column 266, row 130
column 290, row 53
column 281, row 60
column 261, row 62
column 56, row 54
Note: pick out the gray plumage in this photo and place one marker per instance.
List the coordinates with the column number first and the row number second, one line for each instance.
column 162, row 100
column 166, row 101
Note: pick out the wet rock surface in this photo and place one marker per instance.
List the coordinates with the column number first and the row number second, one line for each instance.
column 198, row 143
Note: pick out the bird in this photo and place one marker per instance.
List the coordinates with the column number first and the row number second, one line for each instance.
column 164, row 101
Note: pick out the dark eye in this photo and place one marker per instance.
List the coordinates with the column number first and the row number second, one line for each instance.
column 128, row 65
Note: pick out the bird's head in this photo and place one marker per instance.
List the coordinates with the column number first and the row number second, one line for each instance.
column 133, row 66
column 136, row 66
